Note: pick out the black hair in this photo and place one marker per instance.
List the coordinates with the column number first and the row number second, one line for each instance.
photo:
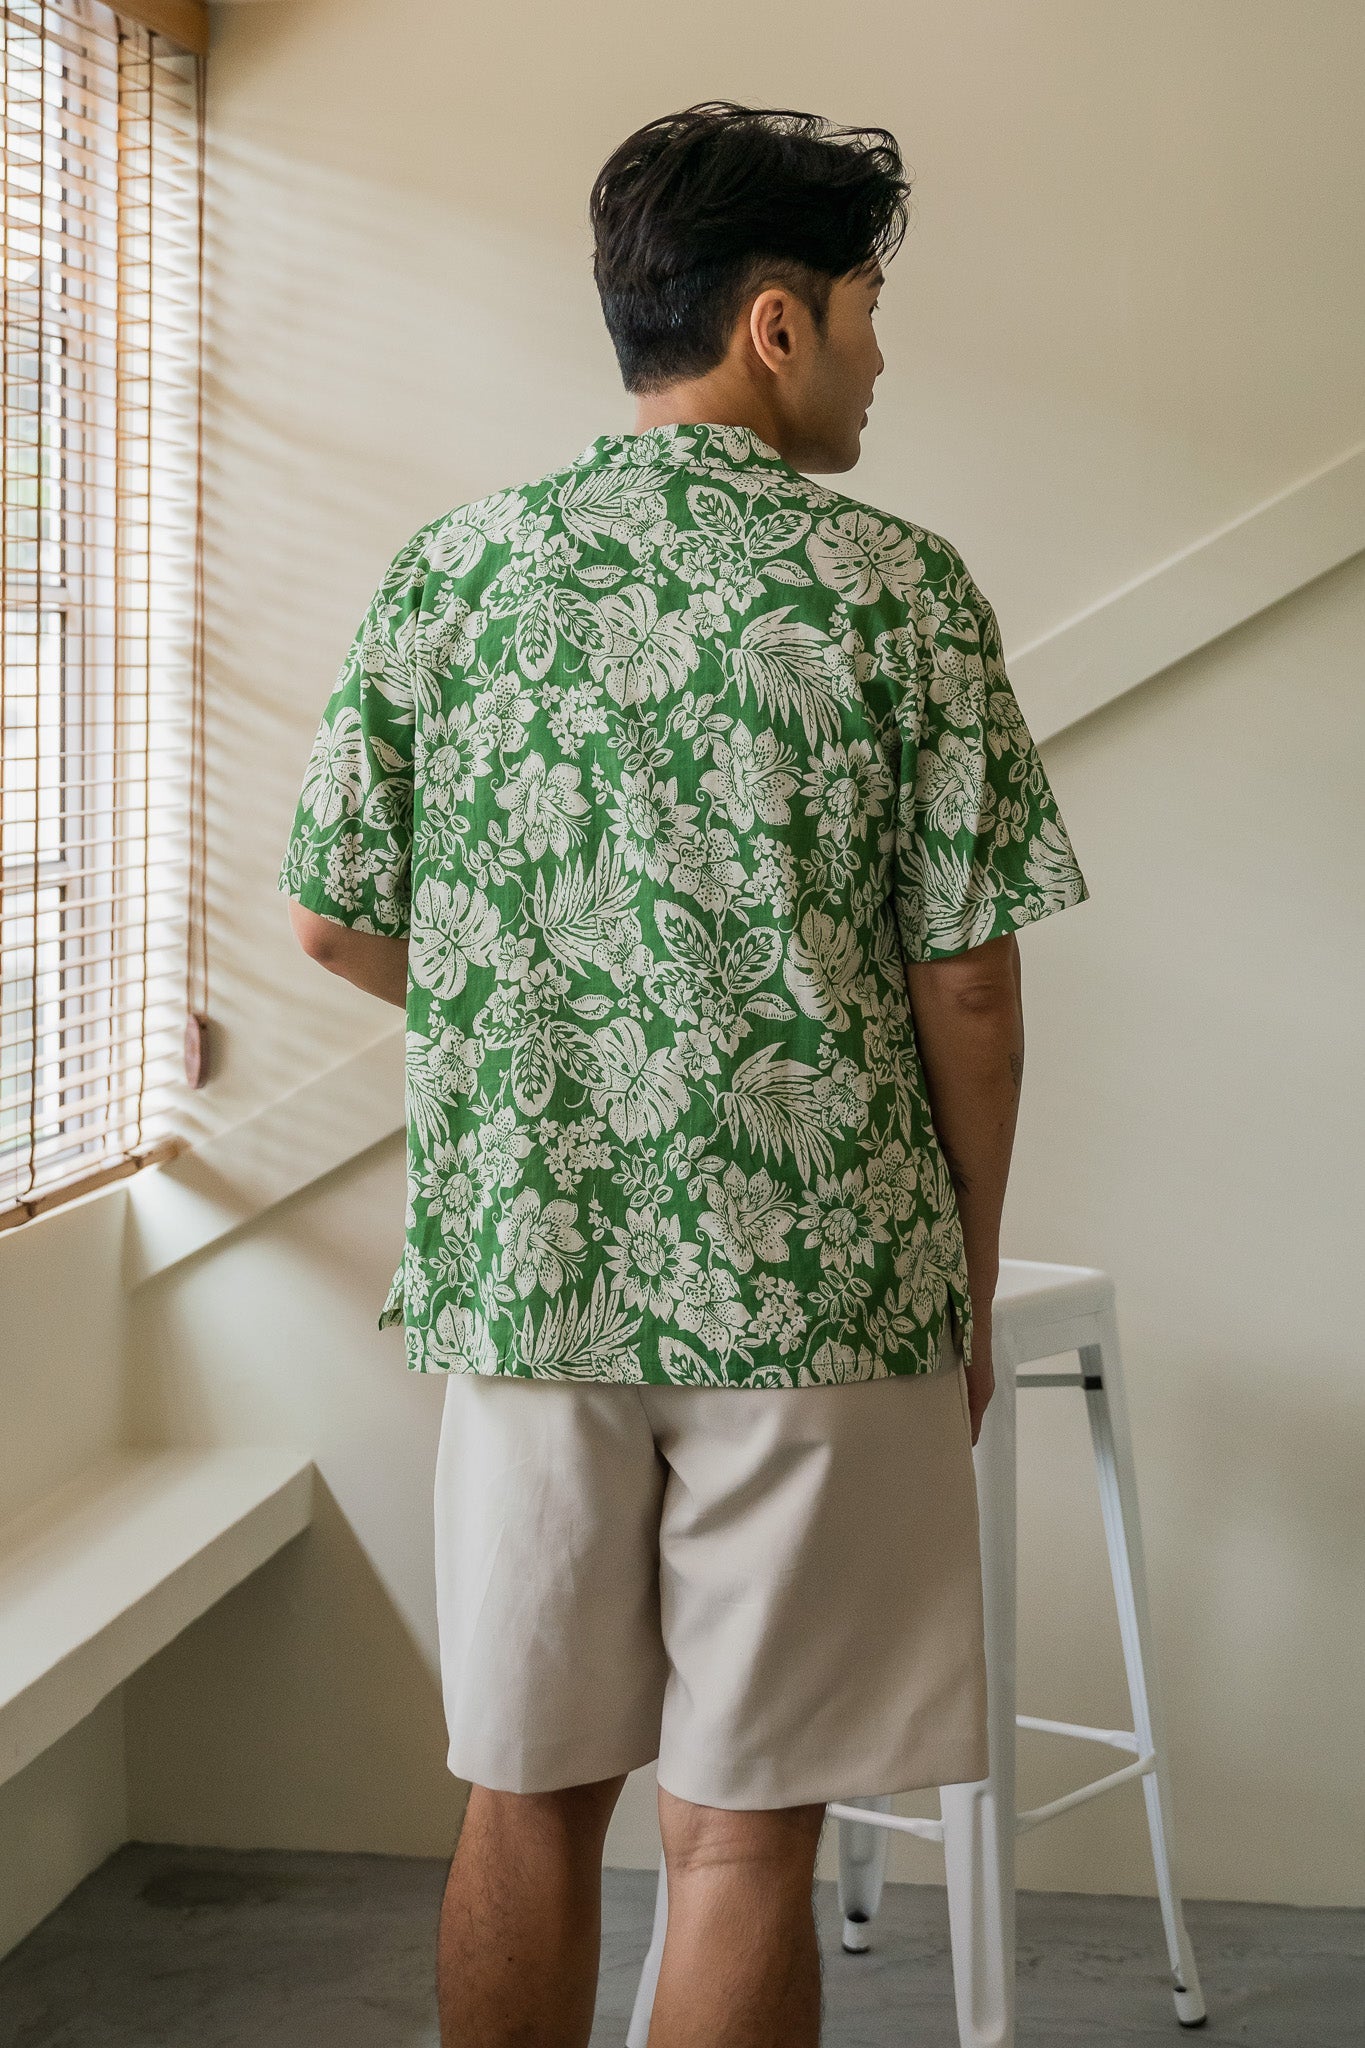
column 698, row 208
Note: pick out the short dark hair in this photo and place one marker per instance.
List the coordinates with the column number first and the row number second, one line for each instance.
column 694, row 210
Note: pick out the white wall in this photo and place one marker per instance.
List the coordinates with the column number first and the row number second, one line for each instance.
column 62, row 1331
column 1124, row 315
column 60, row 1818
column 62, row 1336
column 1194, row 1121
column 304, row 1709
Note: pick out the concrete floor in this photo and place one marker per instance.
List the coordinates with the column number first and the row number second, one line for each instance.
column 194, row 1948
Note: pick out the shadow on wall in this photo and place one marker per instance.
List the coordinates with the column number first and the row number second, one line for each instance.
column 370, row 365
column 224, row 1719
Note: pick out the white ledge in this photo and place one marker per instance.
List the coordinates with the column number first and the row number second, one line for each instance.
column 105, row 1571
column 1196, row 596
column 198, row 1197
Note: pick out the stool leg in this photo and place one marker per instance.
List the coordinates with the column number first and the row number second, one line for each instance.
column 1108, row 1413
column 978, row 1820
column 862, row 1872
column 637, row 2034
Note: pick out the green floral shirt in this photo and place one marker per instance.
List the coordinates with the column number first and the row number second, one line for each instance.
column 667, row 764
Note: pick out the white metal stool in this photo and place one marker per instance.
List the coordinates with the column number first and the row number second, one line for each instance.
column 1040, row 1312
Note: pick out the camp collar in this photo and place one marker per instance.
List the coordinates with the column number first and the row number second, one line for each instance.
column 687, row 441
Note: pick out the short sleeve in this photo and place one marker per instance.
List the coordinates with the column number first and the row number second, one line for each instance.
column 350, row 850
column 980, row 846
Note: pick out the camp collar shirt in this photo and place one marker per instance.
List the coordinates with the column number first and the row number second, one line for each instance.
column 667, row 764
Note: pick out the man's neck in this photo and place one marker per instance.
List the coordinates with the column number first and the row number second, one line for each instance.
column 710, row 401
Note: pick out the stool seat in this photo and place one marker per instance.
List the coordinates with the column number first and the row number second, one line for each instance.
column 1041, row 1305
column 1040, row 1312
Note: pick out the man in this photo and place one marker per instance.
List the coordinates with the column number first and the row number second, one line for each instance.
column 685, row 807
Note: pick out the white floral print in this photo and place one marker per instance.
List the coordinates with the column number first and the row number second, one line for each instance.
column 543, row 806
column 666, row 765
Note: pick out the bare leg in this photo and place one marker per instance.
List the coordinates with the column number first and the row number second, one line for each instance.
column 741, row 1962
column 521, row 1920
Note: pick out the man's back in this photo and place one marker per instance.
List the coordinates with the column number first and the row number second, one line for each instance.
column 671, row 761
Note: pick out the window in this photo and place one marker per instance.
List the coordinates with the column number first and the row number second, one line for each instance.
column 100, row 578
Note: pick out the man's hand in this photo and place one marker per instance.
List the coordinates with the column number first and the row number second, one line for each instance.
column 372, row 962
column 969, row 1025
column 980, row 1373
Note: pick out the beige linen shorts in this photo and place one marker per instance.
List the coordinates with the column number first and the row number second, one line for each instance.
column 774, row 1592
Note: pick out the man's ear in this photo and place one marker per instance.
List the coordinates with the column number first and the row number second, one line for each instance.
column 772, row 318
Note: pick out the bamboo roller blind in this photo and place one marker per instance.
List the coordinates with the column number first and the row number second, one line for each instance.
column 101, row 583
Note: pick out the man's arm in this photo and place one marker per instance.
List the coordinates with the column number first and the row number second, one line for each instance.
column 373, row 962
column 969, row 1022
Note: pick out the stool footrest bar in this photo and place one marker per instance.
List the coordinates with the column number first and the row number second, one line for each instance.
column 1033, row 1816
column 1115, row 1738
column 1090, row 1381
column 899, row 1823
column 1036, row 1814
